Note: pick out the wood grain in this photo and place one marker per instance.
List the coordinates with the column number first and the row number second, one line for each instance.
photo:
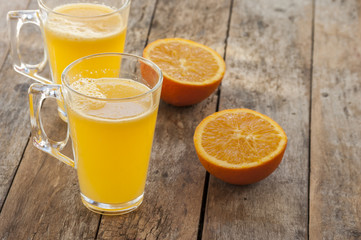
column 335, row 186
column 139, row 23
column 14, row 125
column 268, row 60
column 269, row 55
column 44, row 200
column 174, row 190
column 7, row 6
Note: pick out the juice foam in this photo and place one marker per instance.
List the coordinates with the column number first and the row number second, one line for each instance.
column 110, row 88
column 84, row 21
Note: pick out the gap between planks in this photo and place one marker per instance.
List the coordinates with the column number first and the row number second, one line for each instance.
column 207, row 176
column 310, row 116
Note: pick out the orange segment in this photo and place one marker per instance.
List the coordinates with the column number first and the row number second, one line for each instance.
column 191, row 71
column 239, row 146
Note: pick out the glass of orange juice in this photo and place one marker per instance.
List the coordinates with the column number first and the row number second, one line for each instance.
column 71, row 30
column 112, row 110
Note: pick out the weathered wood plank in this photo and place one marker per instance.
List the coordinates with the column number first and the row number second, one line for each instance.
column 7, row 6
column 268, row 60
column 139, row 22
column 14, row 127
column 14, row 123
column 44, row 200
column 335, row 187
column 174, row 189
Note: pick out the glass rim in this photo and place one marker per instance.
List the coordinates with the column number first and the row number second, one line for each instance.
column 48, row 9
column 147, row 61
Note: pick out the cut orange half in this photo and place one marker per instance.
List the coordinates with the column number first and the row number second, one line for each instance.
column 191, row 71
column 239, row 146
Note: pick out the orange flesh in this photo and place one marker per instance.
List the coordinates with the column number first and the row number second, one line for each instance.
column 185, row 62
column 240, row 146
column 240, row 138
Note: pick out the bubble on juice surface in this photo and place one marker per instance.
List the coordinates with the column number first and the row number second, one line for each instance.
column 128, row 99
column 81, row 25
column 124, row 98
column 89, row 88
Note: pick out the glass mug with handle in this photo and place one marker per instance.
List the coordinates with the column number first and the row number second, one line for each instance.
column 70, row 30
column 112, row 111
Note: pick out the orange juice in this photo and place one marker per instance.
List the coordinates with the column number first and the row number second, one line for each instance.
column 112, row 140
column 82, row 29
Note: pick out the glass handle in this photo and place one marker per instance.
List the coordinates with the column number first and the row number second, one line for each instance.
column 37, row 94
column 16, row 19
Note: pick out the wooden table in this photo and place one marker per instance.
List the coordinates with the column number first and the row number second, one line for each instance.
column 297, row 61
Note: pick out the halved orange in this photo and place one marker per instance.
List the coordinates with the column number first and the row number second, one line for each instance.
column 239, row 146
column 191, row 71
